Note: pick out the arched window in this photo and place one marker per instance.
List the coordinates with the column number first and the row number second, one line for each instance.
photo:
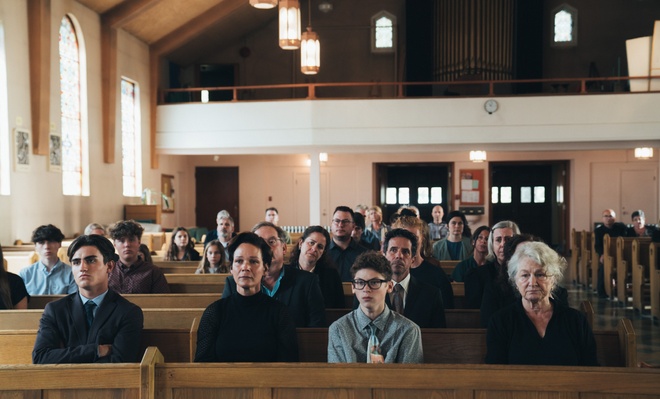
column 564, row 23
column 383, row 33
column 5, row 154
column 131, row 150
column 75, row 178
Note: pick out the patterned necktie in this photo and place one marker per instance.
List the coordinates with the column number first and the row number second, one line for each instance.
column 373, row 347
column 89, row 312
column 397, row 298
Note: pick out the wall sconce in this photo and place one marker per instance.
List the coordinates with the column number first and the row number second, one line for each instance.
column 205, row 96
column 644, row 153
column 477, row 156
column 290, row 24
column 263, row 4
column 323, row 157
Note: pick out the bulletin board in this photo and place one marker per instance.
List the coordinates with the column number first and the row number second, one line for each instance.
column 472, row 187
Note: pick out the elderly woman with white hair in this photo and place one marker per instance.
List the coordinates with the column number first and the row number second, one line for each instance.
column 536, row 329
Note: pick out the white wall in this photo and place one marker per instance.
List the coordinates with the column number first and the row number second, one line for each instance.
column 36, row 196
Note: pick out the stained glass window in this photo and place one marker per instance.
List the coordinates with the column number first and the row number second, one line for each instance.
column 72, row 156
column 130, row 139
column 383, row 38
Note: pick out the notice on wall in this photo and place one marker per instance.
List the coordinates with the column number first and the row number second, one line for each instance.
column 472, row 190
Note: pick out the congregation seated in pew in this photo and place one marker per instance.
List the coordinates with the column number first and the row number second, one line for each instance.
column 133, row 275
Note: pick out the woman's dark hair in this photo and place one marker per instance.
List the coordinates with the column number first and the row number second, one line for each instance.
column 252, row 239
column 146, row 254
column 204, row 264
column 324, row 259
column 5, row 293
column 173, row 250
column 477, row 232
column 467, row 232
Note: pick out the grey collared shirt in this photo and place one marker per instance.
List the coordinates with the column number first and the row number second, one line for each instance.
column 400, row 339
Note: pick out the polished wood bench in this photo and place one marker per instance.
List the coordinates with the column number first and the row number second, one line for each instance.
column 398, row 381
column 624, row 269
column 468, row 345
column 176, row 343
column 145, row 300
column 654, row 275
column 98, row 381
column 641, row 276
column 448, row 266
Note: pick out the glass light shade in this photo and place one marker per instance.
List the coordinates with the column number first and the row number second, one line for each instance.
column 290, row 24
column 644, row 153
column 477, row 156
column 310, row 53
column 263, row 4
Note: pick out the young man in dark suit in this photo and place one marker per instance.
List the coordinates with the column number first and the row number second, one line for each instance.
column 94, row 324
column 416, row 300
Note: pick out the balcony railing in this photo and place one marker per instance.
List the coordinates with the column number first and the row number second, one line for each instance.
column 395, row 90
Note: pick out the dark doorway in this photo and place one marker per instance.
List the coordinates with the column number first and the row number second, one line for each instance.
column 421, row 181
column 217, row 75
column 532, row 195
column 216, row 188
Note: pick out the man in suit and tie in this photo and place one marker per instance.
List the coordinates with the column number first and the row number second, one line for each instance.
column 94, row 324
column 416, row 300
column 299, row 290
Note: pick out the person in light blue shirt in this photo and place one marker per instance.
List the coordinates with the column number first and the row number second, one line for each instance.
column 49, row 275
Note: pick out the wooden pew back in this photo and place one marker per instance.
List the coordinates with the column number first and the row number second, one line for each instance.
column 654, row 275
column 624, row 261
column 448, row 266
column 585, row 258
column 609, row 263
column 146, row 300
column 640, row 274
column 468, row 345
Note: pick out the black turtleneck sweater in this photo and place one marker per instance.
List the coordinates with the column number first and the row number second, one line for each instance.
column 241, row 328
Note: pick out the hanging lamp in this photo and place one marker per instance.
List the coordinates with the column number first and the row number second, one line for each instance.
column 289, row 24
column 310, row 48
column 263, row 4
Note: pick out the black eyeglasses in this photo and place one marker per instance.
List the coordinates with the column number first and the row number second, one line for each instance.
column 373, row 284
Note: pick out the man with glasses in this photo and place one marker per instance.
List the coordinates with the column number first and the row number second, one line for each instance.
column 614, row 229
column 413, row 298
column 95, row 324
column 343, row 250
column 298, row 289
column 373, row 333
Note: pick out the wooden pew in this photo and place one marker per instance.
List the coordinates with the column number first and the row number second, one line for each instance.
column 146, row 300
column 573, row 265
column 609, row 264
column 594, row 262
column 448, row 266
column 654, row 272
column 98, row 381
column 176, row 343
column 468, row 345
column 624, row 262
column 196, row 278
column 177, row 267
column 397, row 381
column 641, row 274
column 585, row 258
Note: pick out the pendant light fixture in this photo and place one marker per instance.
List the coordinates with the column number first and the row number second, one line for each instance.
column 310, row 48
column 263, row 4
column 289, row 24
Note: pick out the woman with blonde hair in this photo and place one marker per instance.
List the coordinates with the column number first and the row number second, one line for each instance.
column 213, row 260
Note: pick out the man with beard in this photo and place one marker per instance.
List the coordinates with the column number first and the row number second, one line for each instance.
column 223, row 233
column 416, row 300
column 343, row 250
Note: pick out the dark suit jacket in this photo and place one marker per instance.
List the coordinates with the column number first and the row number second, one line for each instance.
column 63, row 336
column 300, row 292
column 423, row 305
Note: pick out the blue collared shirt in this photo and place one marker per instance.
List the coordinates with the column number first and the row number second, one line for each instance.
column 39, row 281
column 271, row 293
column 98, row 300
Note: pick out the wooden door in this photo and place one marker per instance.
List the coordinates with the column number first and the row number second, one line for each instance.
column 216, row 189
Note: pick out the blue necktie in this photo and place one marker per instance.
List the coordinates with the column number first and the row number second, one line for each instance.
column 89, row 312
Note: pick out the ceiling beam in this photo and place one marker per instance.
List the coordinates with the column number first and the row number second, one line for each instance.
column 39, row 50
column 125, row 12
column 196, row 26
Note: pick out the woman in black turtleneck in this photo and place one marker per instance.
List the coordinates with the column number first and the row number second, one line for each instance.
column 247, row 326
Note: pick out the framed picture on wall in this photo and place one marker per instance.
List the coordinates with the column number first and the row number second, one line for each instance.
column 55, row 153
column 22, row 149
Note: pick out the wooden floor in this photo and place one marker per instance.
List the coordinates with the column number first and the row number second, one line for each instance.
column 608, row 313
